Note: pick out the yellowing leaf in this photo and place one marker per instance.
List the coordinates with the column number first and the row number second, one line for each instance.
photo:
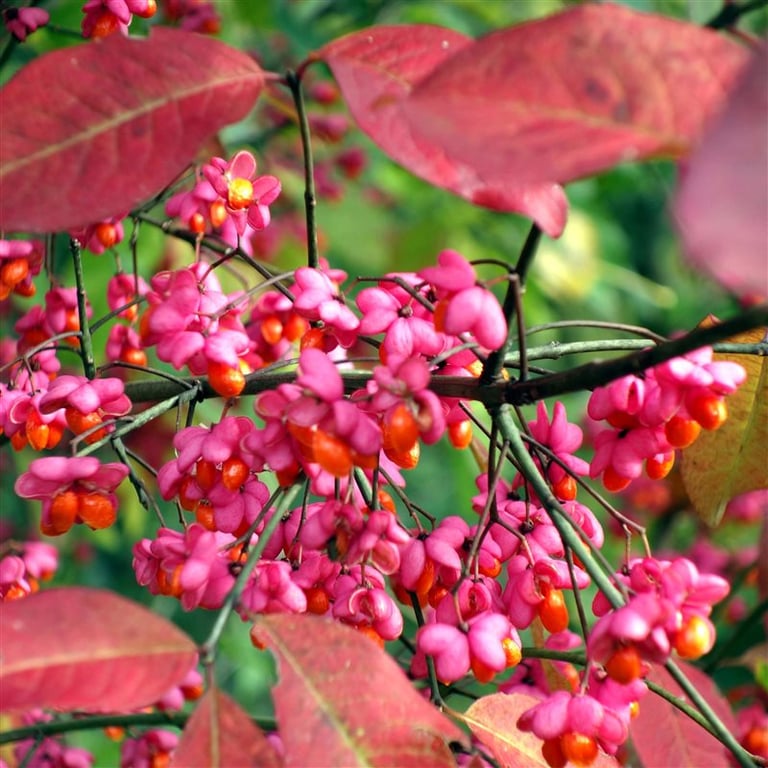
column 493, row 722
column 733, row 459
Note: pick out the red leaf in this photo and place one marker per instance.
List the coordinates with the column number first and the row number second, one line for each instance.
column 341, row 700
column 377, row 69
column 80, row 648
column 493, row 721
column 663, row 735
column 91, row 131
column 220, row 735
column 723, row 196
column 574, row 94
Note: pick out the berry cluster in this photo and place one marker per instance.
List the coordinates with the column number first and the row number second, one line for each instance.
column 23, row 565
column 347, row 552
column 356, row 549
column 106, row 17
column 654, row 414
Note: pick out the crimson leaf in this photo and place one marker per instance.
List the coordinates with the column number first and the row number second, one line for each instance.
column 82, row 648
column 220, row 735
column 723, row 196
column 663, row 735
column 93, row 130
column 341, row 700
column 377, row 69
column 576, row 93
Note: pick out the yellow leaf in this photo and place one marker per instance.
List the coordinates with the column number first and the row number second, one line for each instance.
column 493, row 722
column 733, row 459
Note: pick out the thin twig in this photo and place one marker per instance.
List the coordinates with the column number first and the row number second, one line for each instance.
column 86, row 343
column 293, row 80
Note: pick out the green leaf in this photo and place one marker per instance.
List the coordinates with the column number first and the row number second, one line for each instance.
column 733, row 459
column 761, row 675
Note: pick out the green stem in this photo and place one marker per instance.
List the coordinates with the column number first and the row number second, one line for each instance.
column 94, row 722
column 145, row 499
column 566, row 527
column 293, row 81
column 570, row 657
column 86, row 343
column 568, row 531
column 678, row 703
column 208, row 648
column 576, row 657
column 717, row 727
column 129, row 425
column 434, row 685
column 637, row 330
